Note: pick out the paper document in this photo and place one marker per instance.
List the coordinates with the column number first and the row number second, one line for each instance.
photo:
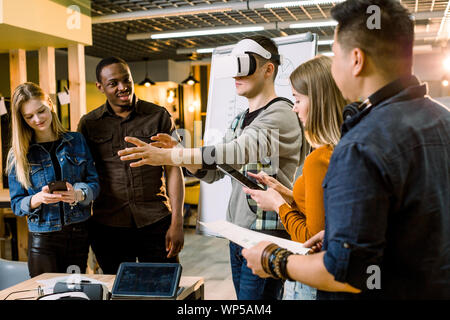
column 64, row 97
column 3, row 107
column 248, row 238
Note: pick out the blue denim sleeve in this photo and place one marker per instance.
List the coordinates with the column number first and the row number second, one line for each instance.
column 90, row 185
column 356, row 198
column 20, row 198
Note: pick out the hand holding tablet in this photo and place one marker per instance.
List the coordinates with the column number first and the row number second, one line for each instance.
column 239, row 177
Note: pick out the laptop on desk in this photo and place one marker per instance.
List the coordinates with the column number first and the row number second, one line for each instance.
column 147, row 281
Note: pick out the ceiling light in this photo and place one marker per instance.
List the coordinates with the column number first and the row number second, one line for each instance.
column 447, row 64
column 324, row 42
column 171, row 95
column 190, row 80
column 146, row 82
column 194, row 50
column 208, row 31
column 203, row 32
column 327, row 53
column 313, row 24
column 205, row 50
column 299, row 3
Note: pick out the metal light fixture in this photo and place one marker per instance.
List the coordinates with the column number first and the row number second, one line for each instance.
column 313, row 24
column 190, row 80
column 196, row 32
column 303, row 3
column 194, row 50
column 147, row 81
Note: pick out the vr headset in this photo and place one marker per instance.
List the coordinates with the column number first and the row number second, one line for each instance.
column 241, row 62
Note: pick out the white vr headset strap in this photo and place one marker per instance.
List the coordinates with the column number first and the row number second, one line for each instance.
column 248, row 45
column 237, row 64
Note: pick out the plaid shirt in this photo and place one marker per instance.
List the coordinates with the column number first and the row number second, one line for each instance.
column 265, row 220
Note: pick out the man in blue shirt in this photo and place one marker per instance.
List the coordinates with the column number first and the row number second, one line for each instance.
column 387, row 189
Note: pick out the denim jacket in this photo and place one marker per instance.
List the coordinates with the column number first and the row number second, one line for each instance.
column 77, row 168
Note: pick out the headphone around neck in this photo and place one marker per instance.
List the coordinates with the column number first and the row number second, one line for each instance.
column 354, row 108
column 388, row 91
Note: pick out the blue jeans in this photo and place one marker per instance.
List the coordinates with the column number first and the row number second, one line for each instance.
column 249, row 286
column 294, row 290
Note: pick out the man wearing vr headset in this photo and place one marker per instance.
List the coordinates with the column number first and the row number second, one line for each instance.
column 267, row 125
column 387, row 188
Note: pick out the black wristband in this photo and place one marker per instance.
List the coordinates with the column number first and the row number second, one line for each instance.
column 283, row 266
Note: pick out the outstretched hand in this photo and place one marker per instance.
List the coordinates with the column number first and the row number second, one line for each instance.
column 146, row 154
column 163, row 140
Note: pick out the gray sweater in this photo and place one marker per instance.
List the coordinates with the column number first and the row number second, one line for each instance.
column 277, row 133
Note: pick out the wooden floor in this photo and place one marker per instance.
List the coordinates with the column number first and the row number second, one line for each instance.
column 208, row 257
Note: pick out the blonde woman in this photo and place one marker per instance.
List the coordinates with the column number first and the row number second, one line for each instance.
column 319, row 105
column 42, row 153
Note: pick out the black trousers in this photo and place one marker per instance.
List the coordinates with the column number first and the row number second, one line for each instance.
column 114, row 245
column 57, row 251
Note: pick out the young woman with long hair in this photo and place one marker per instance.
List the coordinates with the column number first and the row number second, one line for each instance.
column 319, row 105
column 43, row 152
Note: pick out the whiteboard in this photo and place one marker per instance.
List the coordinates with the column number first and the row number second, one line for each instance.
column 224, row 105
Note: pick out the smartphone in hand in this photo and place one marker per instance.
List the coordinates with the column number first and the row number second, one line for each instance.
column 57, row 186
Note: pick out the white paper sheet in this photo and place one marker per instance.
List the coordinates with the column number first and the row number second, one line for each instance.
column 2, row 107
column 64, row 97
column 248, row 238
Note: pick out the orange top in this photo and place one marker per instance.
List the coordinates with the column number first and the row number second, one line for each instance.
column 306, row 216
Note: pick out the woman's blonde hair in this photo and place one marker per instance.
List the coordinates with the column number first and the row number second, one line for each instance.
column 22, row 133
column 313, row 79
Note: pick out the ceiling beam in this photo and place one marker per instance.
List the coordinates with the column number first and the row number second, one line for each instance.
column 217, row 7
column 194, row 32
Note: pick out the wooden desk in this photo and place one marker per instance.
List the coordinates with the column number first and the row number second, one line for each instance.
column 193, row 286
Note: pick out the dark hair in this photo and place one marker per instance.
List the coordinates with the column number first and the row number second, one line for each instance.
column 270, row 46
column 390, row 45
column 106, row 62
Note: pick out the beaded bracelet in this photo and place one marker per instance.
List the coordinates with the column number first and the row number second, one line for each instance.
column 279, row 262
column 276, row 263
column 272, row 262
